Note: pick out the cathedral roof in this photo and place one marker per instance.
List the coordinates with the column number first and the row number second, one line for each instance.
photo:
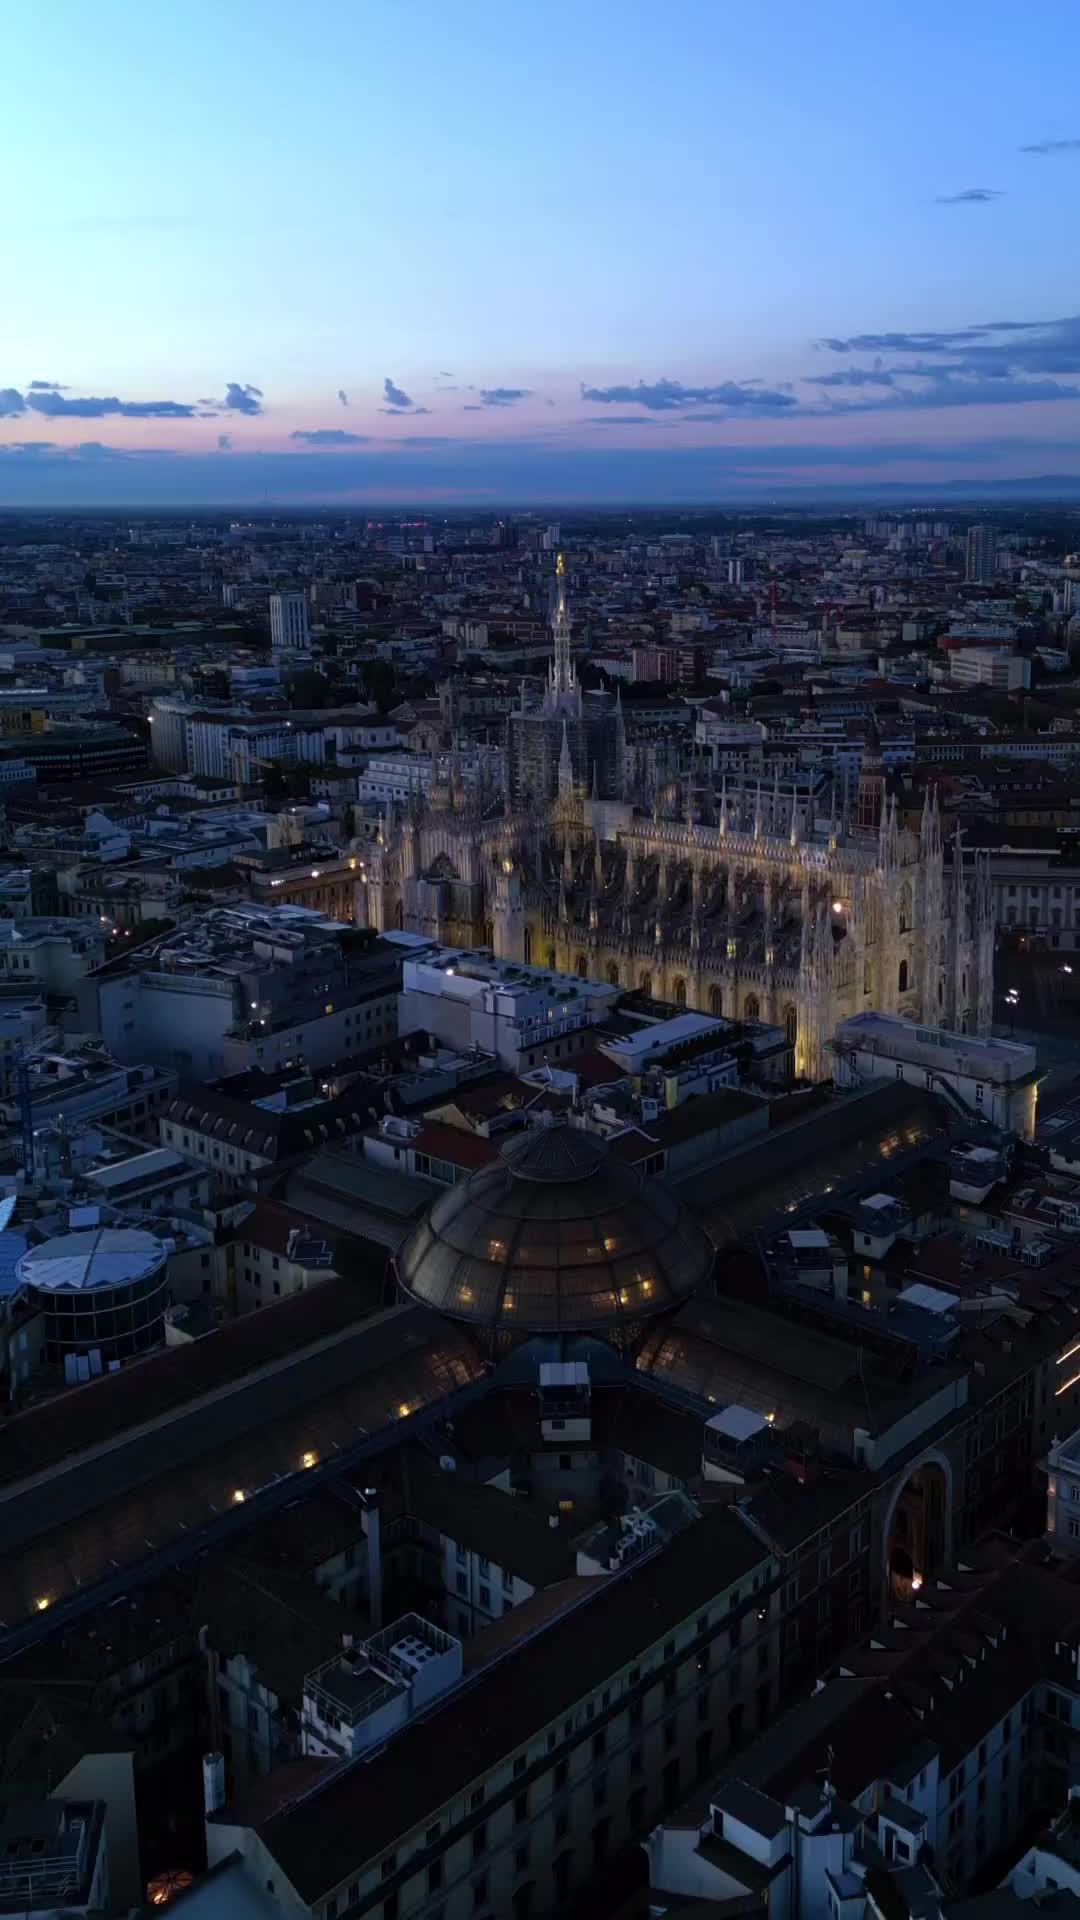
column 557, row 1235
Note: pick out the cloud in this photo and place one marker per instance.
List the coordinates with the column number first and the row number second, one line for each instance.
column 970, row 197
column 935, row 342
column 504, row 396
column 224, row 441
column 472, row 406
column 55, row 406
column 11, row 403
column 330, row 437
column 998, row 350
column 953, row 388
column 523, row 471
column 620, row 420
column 46, row 386
column 1052, row 146
column 665, row 396
column 854, row 377
column 395, row 396
column 242, row 399
column 445, row 373
column 343, row 398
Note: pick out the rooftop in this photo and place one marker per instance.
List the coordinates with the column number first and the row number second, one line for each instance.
column 107, row 1257
column 557, row 1233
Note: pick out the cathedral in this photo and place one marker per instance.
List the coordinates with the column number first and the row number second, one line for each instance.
column 733, row 901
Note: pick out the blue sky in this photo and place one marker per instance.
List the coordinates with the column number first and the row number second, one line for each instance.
column 496, row 252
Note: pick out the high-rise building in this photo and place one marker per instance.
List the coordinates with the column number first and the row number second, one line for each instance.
column 289, row 621
column 981, row 551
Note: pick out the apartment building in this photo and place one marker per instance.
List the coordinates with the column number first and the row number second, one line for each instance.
column 518, row 1783
column 243, row 987
column 924, row 1754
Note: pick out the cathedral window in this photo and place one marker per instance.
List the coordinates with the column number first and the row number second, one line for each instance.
column 582, row 966
column 679, row 993
column 551, row 958
column 902, row 978
column 646, row 983
column 791, row 1023
column 752, row 1007
column 613, row 975
column 716, row 1002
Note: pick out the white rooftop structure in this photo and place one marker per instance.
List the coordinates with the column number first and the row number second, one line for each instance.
column 110, row 1257
column 657, row 1036
column 737, row 1423
column 979, row 1055
column 564, row 1373
column 930, row 1299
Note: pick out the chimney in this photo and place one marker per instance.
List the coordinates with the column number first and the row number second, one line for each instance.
column 213, row 1774
column 373, row 1536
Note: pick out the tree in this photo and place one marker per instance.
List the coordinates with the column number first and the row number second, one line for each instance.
column 286, row 780
column 378, row 681
column 309, row 688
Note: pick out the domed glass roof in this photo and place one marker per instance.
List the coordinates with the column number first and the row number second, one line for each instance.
column 557, row 1235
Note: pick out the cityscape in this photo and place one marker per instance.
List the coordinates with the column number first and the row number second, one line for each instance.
column 540, row 964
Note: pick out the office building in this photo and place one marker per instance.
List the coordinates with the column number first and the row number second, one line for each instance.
column 980, row 555
column 289, row 622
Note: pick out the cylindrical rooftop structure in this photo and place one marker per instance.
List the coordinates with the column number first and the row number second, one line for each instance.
column 101, row 1291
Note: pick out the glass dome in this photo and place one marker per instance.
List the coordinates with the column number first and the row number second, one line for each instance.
column 557, row 1236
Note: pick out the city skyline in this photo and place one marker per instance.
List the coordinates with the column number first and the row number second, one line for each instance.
column 296, row 260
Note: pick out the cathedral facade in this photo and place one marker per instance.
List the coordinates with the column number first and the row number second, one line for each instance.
column 736, row 903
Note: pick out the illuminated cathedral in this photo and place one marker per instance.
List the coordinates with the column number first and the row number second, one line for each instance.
column 736, row 902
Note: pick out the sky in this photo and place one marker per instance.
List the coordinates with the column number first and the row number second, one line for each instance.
column 366, row 253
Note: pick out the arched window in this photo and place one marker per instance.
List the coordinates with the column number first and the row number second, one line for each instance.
column 902, row 977
column 551, row 958
column 752, row 1007
column 489, row 933
column 678, row 993
column 612, row 975
column 581, row 966
column 645, row 983
column 906, row 910
column 716, row 1002
column 527, row 946
column 791, row 1022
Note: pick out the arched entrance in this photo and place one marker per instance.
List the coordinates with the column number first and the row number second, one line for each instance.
column 918, row 1527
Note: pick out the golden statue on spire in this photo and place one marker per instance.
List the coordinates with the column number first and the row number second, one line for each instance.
column 560, row 566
